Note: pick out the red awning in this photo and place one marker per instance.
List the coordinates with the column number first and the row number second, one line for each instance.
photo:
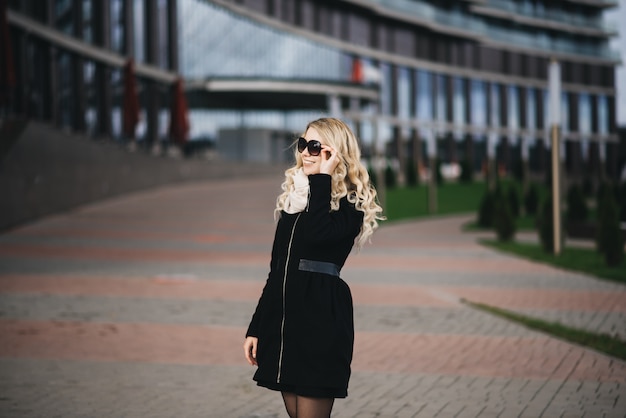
column 130, row 111
column 179, row 121
column 357, row 70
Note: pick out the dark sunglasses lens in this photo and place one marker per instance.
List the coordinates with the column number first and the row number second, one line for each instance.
column 301, row 144
column 315, row 147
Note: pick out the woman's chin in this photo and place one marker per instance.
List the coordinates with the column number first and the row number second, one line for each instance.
column 308, row 170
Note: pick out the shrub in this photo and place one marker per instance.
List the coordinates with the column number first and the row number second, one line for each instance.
column 576, row 204
column 609, row 238
column 546, row 226
column 518, row 170
column 622, row 202
column 467, row 173
column 486, row 210
column 503, row 221
column 603, row 189
column 411, row 173
column 390, row 177
column 438, row 175
column 513, row 200
column 531, row 200
column 588, row 186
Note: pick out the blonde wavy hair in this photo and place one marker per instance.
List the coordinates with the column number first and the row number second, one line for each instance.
column 350, row 178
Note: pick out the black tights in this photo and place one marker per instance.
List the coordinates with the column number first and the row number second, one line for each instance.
column 304, row 407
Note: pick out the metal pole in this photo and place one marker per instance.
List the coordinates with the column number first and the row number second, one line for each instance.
column 432, row 165
column 556, row 191
column 554, row 85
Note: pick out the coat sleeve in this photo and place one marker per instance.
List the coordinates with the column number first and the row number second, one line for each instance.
column 324, row 224
column 253, row 328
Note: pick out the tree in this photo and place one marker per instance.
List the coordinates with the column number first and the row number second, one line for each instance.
column 531, row 200
column 576, row 204
column 513, row 200
column 546, row 226
column 390, row 177
column 504, row 221
column 486, row 210
column 467, row 174
column 609, row 237
column 411, row 174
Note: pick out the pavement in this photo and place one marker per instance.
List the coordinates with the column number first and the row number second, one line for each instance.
column 137, row 307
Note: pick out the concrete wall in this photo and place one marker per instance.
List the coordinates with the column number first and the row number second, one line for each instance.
column 48, row 171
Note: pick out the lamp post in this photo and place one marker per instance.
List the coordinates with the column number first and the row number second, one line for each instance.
column 432, row 162
column 554, row 85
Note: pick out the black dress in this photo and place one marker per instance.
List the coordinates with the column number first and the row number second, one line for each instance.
column 304, row 318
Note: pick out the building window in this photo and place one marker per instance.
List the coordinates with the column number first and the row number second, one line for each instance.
column 424, row 111
column 404, row 97
column 565, row 113
column 358, row 30
column 478, row 108
column 386, row 91
column 603, row 115
column 513, row 112
column 494, row 95
column 441, row 102
column 163, row 31
column 139, row 23
column 458, row 103
column 584, row 115
column 117, row 25
column 531, row 110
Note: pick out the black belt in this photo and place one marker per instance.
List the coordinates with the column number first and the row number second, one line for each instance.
column 319, row 267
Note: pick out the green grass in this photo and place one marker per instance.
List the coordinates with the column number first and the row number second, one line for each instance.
column 464, row 198
column 585, row 260
column 601, row 342
column 452, row 198
column 523, row 223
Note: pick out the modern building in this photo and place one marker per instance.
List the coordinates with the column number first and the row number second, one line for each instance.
column 460, row 80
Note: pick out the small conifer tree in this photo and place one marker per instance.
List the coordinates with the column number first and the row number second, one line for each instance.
column 503, row 221
column 390, row 177
column 609, row 237
column 513, row 200
column 531, row 200
column 576, row 204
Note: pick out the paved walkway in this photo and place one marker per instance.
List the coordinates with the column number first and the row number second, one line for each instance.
column 137, row 307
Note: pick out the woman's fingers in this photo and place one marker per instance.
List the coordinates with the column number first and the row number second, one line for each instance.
column 249, row 348
column 330, row 160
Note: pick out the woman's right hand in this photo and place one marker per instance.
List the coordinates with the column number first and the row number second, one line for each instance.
column 249, row 348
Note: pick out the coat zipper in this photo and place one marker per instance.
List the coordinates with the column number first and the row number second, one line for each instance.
column 282, row 324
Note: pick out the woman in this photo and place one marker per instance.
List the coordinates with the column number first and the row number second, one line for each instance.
column 301, row 334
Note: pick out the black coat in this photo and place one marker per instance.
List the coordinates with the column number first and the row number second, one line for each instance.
column 304, row 320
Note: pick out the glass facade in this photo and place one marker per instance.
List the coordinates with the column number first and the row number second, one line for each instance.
column 478, row 109
column 216, row 43
column 436, row 78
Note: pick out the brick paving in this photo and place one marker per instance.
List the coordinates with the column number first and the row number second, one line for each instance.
column 137, row 307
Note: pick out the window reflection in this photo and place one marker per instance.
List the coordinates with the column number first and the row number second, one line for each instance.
column 513, row 112
column 478, row 108
column 216, row 43
column 424, row 96
column 139, row 30
column 440, row 104
column 495, row 104
column 459, row 107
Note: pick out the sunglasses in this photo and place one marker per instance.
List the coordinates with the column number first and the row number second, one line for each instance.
column 314, row 147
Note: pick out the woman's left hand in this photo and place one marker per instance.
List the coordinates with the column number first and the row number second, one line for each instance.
column 249, row 350
column 330, row 160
